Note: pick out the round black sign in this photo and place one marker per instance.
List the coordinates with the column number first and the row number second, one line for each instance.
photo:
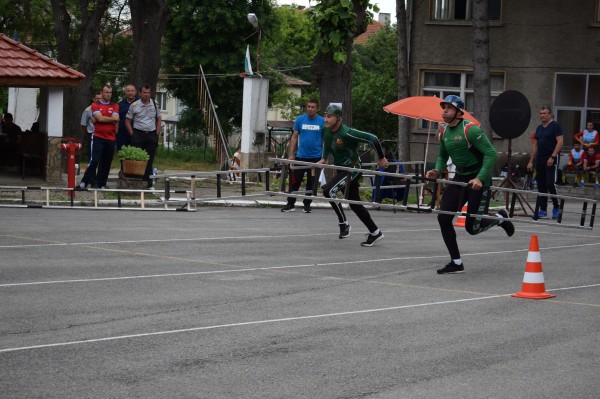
column 510, row 114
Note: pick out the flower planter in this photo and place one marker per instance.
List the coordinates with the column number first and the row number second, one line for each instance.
column 133, row 168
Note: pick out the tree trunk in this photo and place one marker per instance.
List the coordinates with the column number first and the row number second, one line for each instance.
column 335, row 79
column 335, row 83
column 148, row 20
column 481, row 65
column 403, row 84
column 62, row 24
column 77, row 99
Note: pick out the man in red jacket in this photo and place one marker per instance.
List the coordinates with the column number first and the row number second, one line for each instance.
column 106, row 121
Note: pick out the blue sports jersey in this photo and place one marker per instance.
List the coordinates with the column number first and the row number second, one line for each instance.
column 310, row 136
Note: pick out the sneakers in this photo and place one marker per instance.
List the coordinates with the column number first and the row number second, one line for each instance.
column 596, row 186
column 81, row 186
column 452, row 268
column 581, row 183
column 555, row 212
column 288, row 208
column 306, row 208
column 344, row 230
column 542, row 214
column 506, row 224
column 372, row 239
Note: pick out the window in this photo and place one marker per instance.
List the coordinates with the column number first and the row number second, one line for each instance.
column 576, row 100
column 161, row 99
column 442, row 84
column 461, row 10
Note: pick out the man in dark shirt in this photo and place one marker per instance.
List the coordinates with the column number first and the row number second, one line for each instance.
column 123, row 136
column 546, row 144
column 11, row 131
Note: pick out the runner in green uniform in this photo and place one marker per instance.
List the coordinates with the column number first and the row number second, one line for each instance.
column 474, row 157
column 341, row 142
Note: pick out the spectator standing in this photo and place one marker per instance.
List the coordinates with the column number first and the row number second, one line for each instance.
column 588, row 137
column 106, row 120
column 307, row 137
column 546, row 145
column 341, row 142
column 87, row 123
column 123, row 136
column 591, row 166
column 143, row 124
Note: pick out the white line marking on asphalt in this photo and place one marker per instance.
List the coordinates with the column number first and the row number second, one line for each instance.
column 280, row 267
column 64, row 244
column 258, row 322
column 242, row 324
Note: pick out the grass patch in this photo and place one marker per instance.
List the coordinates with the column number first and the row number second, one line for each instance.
column 179, row 158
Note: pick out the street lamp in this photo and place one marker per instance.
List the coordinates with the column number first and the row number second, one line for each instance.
column 253, row 19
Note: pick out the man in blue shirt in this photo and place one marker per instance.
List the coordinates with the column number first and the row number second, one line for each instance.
column 123, row 136
column 546, row 144
column 307, row 136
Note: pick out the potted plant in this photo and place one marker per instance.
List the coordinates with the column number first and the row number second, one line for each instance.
column 133, row 160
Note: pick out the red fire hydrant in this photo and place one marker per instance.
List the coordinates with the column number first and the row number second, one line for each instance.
column 71, row 146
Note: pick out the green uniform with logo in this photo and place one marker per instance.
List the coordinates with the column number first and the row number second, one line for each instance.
column 467, row 161
column 343, row 146
column 474, row 158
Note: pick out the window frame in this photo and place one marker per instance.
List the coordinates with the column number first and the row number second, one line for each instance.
column 462, row 91
column 437, row 15
column 160, row 96
column 586, row 111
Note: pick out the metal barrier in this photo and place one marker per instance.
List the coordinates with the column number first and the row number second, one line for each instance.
column 191, row 196
column 420, row 180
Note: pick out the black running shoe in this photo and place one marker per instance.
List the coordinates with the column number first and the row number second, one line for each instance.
column 306, row 208
column 452, row 268
column 506, row 224
column 288, row 208
column 372, row 239
column 344, row 230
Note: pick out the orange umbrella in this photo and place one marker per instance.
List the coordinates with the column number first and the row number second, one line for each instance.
column 424, row 107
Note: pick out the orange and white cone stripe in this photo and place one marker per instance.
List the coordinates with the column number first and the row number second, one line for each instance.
column 461, row 219
column 533, row 280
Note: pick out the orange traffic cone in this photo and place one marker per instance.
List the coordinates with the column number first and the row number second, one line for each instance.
column 533, row 280
column 460, row 221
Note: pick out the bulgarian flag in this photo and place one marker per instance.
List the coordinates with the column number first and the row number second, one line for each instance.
column 247, row 62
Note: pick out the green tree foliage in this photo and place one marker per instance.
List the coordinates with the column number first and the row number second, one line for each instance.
column 29, row 19
column 374, row 84
column 289, row 43
column 288, row 49
column 337, row 23
column 116, row 48
column 215, row 35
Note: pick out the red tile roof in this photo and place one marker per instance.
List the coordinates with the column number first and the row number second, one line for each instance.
column 371, row 30
column 294, row 81
column 21, row 66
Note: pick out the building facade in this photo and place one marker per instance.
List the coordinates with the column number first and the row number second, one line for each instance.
column 548, row 50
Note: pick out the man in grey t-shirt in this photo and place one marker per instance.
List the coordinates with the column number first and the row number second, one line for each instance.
column 143, row 124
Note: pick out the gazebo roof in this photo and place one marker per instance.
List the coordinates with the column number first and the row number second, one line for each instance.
column 21, row 66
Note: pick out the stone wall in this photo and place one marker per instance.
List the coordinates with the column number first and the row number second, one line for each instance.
column 54, row 160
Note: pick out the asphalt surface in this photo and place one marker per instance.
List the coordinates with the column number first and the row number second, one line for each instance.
column 237, row 302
